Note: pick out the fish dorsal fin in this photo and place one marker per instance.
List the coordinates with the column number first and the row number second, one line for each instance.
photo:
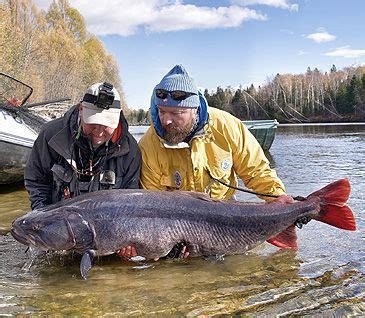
column 198, row 195
column 285, row 239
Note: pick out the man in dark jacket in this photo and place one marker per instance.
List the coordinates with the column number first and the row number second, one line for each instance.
column 88, row 149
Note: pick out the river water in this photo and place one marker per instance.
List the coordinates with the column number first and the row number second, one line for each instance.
column 325, row 276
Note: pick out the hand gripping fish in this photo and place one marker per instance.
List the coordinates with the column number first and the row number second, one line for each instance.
column 102, row 222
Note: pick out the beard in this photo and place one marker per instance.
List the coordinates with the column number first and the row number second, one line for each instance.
column 174, row 134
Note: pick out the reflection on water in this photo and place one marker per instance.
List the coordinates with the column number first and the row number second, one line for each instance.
column 14, row 202
column 325, row 275
column 322, row 129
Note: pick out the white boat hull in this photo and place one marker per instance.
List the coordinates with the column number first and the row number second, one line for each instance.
column 16, row 142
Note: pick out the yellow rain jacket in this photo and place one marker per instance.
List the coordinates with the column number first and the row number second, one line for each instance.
column 224, row 151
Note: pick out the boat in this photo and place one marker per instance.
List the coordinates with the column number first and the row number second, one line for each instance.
column 18, row 128
column 16, row 142
column 263, row 130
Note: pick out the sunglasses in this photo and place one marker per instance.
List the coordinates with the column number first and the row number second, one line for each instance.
column 175, row 95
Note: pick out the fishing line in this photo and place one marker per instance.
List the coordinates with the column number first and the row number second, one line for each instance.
column 297, row 198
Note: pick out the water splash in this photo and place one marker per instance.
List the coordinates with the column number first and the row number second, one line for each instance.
column 32, row 254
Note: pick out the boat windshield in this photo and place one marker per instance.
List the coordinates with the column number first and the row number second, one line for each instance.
column 12, row 91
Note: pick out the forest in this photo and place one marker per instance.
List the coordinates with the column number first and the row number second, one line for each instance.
column 315, row 96
column 54, row 53
column 52, row 50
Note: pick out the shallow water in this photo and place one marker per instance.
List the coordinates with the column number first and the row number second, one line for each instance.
column 324, row 277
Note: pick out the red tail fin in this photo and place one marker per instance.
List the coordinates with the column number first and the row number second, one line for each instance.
column 333, row 209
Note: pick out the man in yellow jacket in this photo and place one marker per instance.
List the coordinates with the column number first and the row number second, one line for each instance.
column 190, row 146
column 189, row 143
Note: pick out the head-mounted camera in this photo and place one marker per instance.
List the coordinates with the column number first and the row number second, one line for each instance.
column 105, row 97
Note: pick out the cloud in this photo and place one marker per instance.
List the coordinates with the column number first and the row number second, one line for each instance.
column 185, row 17
column 127, row 17
column 282, row 4
column 346, row 52
column 300, row 52
column 321, row 36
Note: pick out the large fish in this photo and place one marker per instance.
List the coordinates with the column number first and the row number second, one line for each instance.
column 102, row 222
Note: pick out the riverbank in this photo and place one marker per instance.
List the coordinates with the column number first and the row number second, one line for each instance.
column 328, row 119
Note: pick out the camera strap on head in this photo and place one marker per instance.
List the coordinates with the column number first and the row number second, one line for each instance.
column 107, row 86
column 105, row 97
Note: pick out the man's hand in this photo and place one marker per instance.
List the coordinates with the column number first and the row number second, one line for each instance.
column 127, row 252
column 178, row 251
column 285, row 199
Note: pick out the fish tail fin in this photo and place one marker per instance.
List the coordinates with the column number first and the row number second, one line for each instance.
column 285, row 239
column 334, row 210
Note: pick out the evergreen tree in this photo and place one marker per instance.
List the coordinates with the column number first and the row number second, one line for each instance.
column 141, row 116
column 206, row 94
column 341, row 99
column 353, row 94
column 238, row 105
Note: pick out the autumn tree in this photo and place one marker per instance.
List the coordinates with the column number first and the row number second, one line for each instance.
column 52, row 51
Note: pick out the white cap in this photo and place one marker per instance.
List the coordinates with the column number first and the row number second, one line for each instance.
column 92, row 114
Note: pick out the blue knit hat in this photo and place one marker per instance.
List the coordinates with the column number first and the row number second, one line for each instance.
column 177, row 80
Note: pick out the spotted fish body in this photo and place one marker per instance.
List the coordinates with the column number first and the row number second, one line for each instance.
column 102, row 222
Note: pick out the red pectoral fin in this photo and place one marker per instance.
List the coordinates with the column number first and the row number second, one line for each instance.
column 285, row 239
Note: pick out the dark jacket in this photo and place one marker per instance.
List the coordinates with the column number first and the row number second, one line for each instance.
column 59, row 151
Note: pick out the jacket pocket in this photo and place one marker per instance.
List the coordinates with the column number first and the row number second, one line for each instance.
column 62, row 178
column 61, row 174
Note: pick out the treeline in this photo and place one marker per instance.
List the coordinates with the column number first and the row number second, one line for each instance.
column 52, row 50
column 337, row 95
column 137, row 117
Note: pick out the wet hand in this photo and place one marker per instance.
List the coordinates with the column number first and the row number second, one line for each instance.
column 184, row 253
column 179, row 251
column 285, row 199
column 127, row 252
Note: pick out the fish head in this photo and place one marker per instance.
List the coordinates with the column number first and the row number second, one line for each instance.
column 44, row 231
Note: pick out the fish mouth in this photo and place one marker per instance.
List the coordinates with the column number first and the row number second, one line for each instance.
column 20, row 236
column 28, row 239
